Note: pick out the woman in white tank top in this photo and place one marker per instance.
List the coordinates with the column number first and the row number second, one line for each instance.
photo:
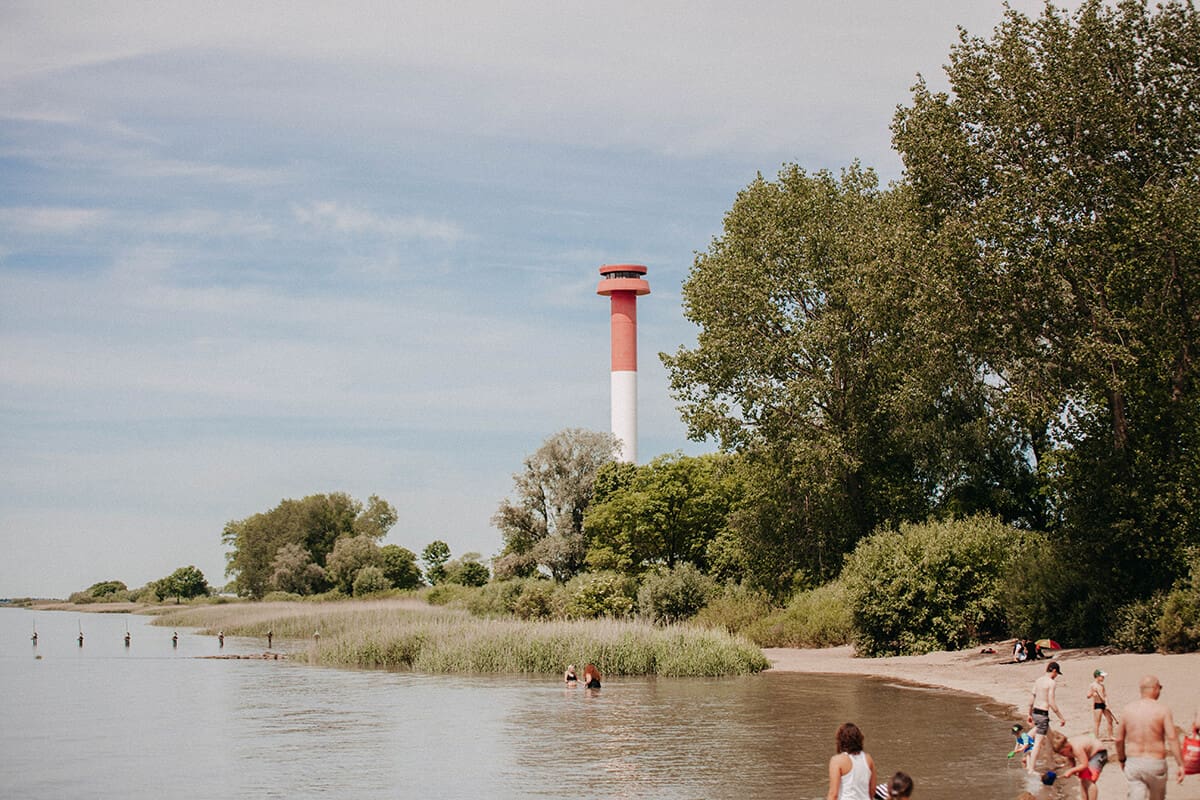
column 851, row 771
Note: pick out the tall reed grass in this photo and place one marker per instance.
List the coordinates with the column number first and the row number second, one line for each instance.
column 405, row 634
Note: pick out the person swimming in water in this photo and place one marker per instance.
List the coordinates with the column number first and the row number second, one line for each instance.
column 591, row 677
column 569, row 675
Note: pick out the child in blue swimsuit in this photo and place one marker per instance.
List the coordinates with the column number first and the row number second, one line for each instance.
column 1023, row 745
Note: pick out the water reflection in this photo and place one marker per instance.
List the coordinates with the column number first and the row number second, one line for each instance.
column 155, row 720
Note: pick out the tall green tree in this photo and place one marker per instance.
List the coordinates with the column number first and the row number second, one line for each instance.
column 468, row 570
column 399, row 565
column 293, row 570
column 435, row 555
column 350, row 555
column 668, row 514
column 542, row 524
column 815, row 359
column 315, row 524
column 182, row 584
column 1058, row 184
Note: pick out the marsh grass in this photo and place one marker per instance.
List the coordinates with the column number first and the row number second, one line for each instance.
column 406, row 634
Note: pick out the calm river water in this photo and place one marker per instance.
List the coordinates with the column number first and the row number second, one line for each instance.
column 152, row 721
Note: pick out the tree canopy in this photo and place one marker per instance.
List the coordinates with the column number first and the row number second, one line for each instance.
column 182, row 584
column 1059, row 185
column 1010, row 329
column 290, row 544
column 666, row 513
column 542, row 524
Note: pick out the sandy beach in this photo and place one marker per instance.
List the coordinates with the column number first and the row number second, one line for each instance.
column 996, row 677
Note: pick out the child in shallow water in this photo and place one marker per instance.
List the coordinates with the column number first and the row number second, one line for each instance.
column 1024, row 744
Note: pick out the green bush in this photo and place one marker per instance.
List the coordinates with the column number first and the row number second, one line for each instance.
column 493, row 599
column 1179, row 625
column 104, row 589
column 932, row 586
column 598, row 594
column 536, row 601
column 819, row 617
column 734, row 608
column 449, row 594
column 369, row 580
column 1048, row 592
column 1136, row 626
column 280, row 597
column 674, row 595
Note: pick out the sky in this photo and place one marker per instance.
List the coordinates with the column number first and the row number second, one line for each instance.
column 251, row 252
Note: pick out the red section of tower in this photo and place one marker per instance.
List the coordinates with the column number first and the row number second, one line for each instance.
column 623, row 284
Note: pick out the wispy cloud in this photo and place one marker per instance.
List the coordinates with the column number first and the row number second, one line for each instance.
column 46, row 219
column 350, row 220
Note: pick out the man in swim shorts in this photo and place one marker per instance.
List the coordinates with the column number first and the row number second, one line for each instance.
column 1088, row 757
column 1145, row 733
column 1040, row 706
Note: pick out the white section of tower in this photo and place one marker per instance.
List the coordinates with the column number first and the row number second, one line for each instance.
column 624, row 412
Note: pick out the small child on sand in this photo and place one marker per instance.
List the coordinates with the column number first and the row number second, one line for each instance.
column 1024, row 744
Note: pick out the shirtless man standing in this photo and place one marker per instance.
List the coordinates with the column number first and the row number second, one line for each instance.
column 1040, row 706
column 1145, row 733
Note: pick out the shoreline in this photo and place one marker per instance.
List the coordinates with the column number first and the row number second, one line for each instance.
column 995, row 677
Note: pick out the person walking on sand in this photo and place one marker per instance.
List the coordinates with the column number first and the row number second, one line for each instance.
column 1088, row 757
column 1098, row 694
column 1040, row 705
column 1145, row 733
column 851, row 771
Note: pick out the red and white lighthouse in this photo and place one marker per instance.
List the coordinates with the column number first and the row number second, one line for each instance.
column 623, row 284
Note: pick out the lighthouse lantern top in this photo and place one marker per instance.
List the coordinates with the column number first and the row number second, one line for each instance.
column 623, row 278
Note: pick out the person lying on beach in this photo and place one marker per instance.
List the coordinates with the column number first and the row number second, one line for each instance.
column 1088, row 757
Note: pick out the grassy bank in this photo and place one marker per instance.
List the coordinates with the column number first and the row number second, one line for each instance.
column 404, row 633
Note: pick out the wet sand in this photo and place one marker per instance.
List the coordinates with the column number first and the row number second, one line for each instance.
column 995, row 676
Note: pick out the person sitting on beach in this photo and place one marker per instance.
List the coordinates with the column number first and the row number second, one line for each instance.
column 851, row 771
column 1019, row 653
column 1088, row 757
column 1024, row 744
column 591, row 677
column 900, row 787
column 569, row 675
